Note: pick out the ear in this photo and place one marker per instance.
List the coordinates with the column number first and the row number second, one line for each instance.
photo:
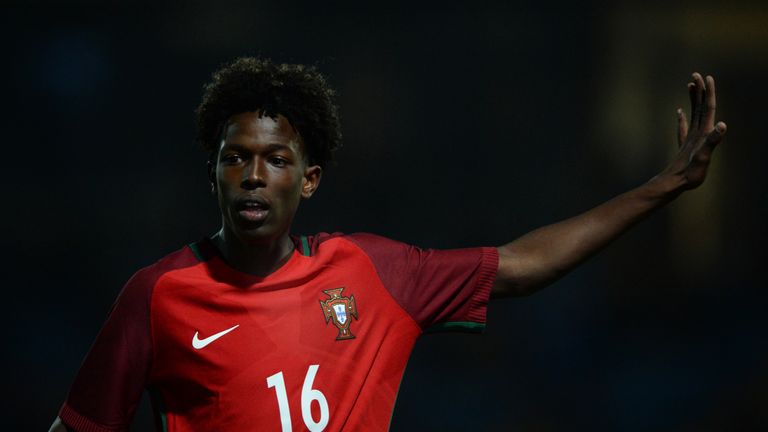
column 211, row 174
column 311, row 180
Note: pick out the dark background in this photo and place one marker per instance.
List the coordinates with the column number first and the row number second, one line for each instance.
column 465, row 124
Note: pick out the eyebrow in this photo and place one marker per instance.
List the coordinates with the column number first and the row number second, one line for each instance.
column 269, row 147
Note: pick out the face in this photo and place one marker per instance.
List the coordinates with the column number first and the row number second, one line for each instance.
column 260, row 176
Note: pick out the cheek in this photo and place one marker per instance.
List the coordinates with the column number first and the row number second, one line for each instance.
column 227, row 179
column 292, row 193
column 226, row 190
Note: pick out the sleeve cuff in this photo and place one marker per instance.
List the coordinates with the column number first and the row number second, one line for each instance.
column 74, row 420
column 489, row 265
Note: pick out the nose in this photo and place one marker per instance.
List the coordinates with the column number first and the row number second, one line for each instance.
column 253, row 175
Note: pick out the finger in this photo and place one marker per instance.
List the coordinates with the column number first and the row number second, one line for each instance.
column 692, row 97
column 698, row 101
column 716, row 136
column 682, row 128
column 701, row 157
column 708, row 122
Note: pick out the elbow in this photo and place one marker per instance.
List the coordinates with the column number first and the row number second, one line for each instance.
column 523, row 284
column 522, row 274
column 502, row 289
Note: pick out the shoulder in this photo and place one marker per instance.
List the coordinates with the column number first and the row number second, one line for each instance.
column 143, row 281
column 367, row 242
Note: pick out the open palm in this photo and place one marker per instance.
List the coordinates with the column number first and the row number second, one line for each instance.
column 698, row 137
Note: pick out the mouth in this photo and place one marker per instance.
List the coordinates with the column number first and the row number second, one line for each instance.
column 252, row 210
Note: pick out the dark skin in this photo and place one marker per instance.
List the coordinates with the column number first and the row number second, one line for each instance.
column 264, row 160
column 261, row 162
column 526, row 264
column 540, row 257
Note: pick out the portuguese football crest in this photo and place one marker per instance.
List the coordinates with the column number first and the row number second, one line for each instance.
column 340, row 310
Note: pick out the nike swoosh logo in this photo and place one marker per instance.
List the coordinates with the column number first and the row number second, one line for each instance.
column 202, row 343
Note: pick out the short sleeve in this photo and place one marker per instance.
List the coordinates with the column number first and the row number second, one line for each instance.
column 442, row 290
column 112, row 377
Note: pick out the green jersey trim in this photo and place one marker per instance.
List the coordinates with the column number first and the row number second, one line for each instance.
column 196, row 250
column 456, row 326
column 305, row 246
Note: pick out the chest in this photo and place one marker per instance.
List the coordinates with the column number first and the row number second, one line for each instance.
column 211, row 337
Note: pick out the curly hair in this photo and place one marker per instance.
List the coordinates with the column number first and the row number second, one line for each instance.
column 298, row 92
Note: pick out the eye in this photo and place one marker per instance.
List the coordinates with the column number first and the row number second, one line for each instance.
column 231, row 159
column 278, row 161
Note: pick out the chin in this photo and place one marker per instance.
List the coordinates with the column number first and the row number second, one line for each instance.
column 262, row 234
column 254, row 236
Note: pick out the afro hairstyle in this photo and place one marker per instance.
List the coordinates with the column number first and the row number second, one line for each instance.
column 297, row 92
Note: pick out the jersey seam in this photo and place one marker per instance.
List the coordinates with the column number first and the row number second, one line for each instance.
column 150, row 309
column 378, row 275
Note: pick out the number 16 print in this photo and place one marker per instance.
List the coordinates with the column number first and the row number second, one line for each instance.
column 308, row 394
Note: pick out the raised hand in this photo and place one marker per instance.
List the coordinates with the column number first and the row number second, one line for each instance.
column 543, row 255
column 698, row 137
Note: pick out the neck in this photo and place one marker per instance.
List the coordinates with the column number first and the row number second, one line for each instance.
column 258, row 259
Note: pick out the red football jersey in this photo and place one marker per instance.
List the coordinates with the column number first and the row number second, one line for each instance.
column 320, row 344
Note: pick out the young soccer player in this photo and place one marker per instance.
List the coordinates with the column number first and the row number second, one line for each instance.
column 256, row 329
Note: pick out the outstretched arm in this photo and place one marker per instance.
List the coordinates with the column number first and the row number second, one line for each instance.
column 540, row 257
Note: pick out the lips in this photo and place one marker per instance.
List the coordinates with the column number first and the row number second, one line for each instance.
column 252, row 209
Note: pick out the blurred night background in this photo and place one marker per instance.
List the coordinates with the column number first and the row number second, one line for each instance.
column 464, row 124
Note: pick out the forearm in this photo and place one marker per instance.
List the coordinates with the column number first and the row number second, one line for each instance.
column 544, row 255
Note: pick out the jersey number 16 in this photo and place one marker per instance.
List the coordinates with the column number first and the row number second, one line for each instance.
column 308, row 394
